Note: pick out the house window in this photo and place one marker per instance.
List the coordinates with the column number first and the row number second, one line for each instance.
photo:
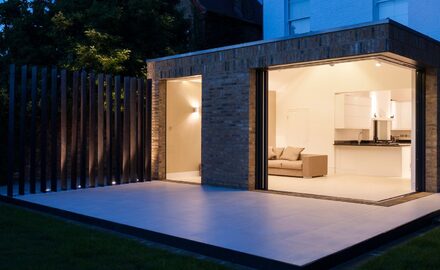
column 298, row 16
column 393, row 9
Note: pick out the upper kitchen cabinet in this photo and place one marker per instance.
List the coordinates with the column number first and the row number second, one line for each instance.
column 352, row 111
column 402, row 115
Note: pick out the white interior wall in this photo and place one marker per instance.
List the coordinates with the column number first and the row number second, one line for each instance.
column 305, row 99
column 183, row 135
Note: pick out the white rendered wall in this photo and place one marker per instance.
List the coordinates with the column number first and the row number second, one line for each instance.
column 327, row 14
column 424, row 16
column 274, row 20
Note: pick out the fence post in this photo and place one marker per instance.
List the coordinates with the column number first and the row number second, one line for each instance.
column 54, row 130
column 148, row 116
column 43, row 130
column 82, row 136
column 133, row 131
column 74, row 143
column 118, row 126
column 141, row 129
column 22, row 136
column 126, row 133
column 33, row 150
column 92, row 130
column 11, row 135
column 100, row 130
column 63, row 157
column 108, row 126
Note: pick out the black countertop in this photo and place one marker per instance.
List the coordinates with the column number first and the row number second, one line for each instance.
column 371, row 143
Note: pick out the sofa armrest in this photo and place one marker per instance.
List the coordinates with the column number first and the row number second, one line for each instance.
column 314, row 165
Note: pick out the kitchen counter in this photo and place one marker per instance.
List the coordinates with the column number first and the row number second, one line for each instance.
column 371, row 144
column 393, row 160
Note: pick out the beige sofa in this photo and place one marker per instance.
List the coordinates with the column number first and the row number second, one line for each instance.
column 307, row 165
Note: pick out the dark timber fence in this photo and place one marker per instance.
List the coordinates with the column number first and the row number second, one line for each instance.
column 76, row 130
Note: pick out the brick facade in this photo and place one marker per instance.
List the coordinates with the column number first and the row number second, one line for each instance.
column 228, row 92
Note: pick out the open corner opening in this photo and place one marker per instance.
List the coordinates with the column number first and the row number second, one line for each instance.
column 183, row 129
column 342, row 130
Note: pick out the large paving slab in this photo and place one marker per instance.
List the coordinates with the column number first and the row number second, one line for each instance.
column 285, row 228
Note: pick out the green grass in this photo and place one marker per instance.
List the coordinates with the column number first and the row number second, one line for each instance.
column 422, row 252
column 29, row 240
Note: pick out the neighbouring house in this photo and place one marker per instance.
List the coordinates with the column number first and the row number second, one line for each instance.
column 349, row 112
column 221, row 23
column 290, row 17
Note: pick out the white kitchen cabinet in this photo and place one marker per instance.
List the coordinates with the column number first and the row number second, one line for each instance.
column 402, row 115
column 367, row 160
column 352, row 112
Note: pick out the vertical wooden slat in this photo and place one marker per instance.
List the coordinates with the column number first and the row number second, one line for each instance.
column 126, row 133
column 43, row 131
column 108, row 126
column 92, row 130
column 148, row 116
column 63, row 133
column 22, row 136
column 118, row 129
column 133, row 131
column 140, row 128
column 33, row 149
column 11, row 125
column 101, row 130
column 82, row 133
column 74, row 143
column 54, row 130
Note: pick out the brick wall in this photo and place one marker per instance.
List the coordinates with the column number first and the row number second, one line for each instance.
column 228, row 92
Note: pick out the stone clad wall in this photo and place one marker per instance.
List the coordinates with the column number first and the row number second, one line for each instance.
column 432, row 130
column 228, row 92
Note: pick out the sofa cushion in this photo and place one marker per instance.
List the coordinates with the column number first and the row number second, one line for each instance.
column 291, row 153
column 278, row 151
column 274, row 164
column 271, row 153
column 292, row 165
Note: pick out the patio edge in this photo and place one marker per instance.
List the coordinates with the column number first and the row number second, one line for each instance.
column 216, row 252
column 233, row 256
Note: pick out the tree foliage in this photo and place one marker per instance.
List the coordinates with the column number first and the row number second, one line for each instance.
column 114, row 36
column 111, row 36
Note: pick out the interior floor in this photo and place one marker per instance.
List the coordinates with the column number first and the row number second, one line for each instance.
column 185, row 177
column 344, row 186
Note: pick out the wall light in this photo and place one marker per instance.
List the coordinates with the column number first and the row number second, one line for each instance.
column 378, row 64
column 196, row 109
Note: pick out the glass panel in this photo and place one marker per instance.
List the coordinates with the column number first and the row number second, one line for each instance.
column 299, row 9
column 299, row 26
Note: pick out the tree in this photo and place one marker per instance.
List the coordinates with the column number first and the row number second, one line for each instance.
column 107, row 36
column 111, row 36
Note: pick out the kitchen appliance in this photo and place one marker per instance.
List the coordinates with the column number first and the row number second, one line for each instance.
column 382, row 129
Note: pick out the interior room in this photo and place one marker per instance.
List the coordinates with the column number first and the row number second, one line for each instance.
column 342, row 130
column 183, row 134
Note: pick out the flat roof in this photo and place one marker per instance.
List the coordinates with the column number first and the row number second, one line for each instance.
column 261, row 42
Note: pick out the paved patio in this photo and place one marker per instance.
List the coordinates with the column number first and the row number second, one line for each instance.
column 290, row 229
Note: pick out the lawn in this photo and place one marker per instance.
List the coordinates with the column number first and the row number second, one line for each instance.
column 422, row 252
column 29, row 240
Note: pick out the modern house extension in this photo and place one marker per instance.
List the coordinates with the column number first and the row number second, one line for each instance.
column 346, row 113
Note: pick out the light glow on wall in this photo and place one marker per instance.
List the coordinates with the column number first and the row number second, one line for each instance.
column 196, row 110
column 373, row 97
